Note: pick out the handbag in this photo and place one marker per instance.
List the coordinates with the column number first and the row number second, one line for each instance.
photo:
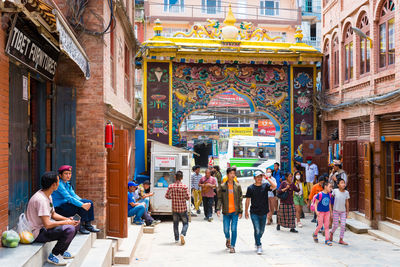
column 283, row 195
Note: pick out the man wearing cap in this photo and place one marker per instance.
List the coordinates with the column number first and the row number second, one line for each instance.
column 134, row 208
column 311, row 172
column 139, row 196
column 67, row 203
column 337, row 173
column 258, row 194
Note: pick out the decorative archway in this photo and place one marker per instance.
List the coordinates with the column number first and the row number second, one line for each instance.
column 181, row 75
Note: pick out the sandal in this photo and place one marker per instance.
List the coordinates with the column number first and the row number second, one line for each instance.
column 315, row 238
column 341, row 242
column 330, row 237
column 329, row 243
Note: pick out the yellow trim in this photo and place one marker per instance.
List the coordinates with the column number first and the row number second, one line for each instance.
column 291, row 119
column 170, row 103
column 145, row 110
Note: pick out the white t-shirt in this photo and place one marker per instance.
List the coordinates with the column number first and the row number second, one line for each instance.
column 340, row 199
column 39, row 205
column 270, row 193
column 311, row 171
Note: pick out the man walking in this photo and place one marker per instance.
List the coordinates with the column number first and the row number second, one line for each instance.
column 179, row 194
column 311, row 172
column 257, row 193
column 278, row 175
column 208, row 184
column 337, row 173
column 196, row 193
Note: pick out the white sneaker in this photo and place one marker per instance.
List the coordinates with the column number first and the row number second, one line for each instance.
column 300, row 225
column 259, row 250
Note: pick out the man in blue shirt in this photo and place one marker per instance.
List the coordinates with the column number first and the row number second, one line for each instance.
column 134, row 208
column 67, row 203
column 278, row 175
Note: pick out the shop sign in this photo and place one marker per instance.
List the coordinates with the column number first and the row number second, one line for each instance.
column 240, row 131
column 164, row 162
column 266, row 128
column 34, row 51
column 210, row 126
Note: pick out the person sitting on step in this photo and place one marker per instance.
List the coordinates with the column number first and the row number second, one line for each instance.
column 68, row 203
column 47, row 225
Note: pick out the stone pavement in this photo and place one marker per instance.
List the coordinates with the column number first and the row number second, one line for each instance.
column 205, row 246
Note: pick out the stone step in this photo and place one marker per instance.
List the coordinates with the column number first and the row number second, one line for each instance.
column 357, row 226
column 359, row 217
column 100, row 255
column 36, row 254
column 389, row 228
column 128, row 245
column 384, row 236
column 79, row 247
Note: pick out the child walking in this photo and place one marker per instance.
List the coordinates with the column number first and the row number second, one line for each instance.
column 323, row 204
column 340, row 209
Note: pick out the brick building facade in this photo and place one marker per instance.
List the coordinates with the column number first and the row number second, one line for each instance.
column 361, row 97
column 105, row 96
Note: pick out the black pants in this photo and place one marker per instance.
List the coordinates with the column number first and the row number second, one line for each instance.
column 215, row 200
column 208, row 206
column 68, row 210
column 63, row 234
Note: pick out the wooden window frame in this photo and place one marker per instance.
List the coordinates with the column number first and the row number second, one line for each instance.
column 364, row 47
column 335, row 53
column 386, row 14
column 327, row 67
column 127, row 81
column 348, row 47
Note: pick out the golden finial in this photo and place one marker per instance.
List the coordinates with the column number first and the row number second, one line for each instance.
column 299, row 35
column 157, row 28
column 230, row 18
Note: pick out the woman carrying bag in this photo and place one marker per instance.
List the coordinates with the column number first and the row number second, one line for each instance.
column 286, row 212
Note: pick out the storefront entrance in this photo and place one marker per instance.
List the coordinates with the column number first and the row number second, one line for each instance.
column 392, row 180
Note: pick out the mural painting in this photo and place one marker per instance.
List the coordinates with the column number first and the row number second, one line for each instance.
column 158, row 101
column 303, row 90
column 266, row 86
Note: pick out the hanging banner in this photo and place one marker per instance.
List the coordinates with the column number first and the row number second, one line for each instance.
column 266, row 128
column 158, row 101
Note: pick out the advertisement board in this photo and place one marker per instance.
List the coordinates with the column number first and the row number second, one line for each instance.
column 164, row 162
column 203, row 126
column 266, row 127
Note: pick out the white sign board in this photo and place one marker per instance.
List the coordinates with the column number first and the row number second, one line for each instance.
column 166, row 162
column 24, row 88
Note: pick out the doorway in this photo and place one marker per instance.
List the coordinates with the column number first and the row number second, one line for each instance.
column 27, row 134
column 392, row 180
column 204, row 149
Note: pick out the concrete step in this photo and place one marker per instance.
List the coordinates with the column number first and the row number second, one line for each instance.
column 357, row 227
column 389, row 228
column 359, row 217
column 100, row 255
column 384, row 236
column 128, row 245
column 80, row 247
column 36, row 254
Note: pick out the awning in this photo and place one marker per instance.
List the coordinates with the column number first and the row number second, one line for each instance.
column 70, row 45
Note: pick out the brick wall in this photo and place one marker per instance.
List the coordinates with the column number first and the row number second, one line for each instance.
column 4, row 65
column 377, row 81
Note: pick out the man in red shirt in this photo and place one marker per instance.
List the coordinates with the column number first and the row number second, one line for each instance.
column 208, row 184
column 179, row 194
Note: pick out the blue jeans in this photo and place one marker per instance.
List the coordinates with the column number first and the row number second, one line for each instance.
column 146, row 201
column 259, row 226
column 136, row 211
column 230, row 220
column 180, row 216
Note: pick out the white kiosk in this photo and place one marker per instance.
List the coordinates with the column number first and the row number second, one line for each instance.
column 165, row 162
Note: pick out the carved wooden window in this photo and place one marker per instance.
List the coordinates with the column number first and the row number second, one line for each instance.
column 326, row 67
column 336, row 61
column 348, row 53
column 365, row 52
column 387, row 34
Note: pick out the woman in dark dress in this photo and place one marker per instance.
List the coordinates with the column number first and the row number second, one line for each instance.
column 286, row 212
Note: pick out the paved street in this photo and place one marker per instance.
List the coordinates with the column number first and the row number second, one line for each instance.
column 206, row 247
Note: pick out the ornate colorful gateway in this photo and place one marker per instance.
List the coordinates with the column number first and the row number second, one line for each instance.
column 183, row 73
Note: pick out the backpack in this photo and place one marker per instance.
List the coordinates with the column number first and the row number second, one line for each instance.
column 312, row 206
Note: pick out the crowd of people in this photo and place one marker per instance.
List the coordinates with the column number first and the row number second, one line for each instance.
column 273, row 192
column 56, row 212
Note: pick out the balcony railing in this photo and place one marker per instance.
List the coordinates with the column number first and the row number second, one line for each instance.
column 313, row 42
column 198, row 13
